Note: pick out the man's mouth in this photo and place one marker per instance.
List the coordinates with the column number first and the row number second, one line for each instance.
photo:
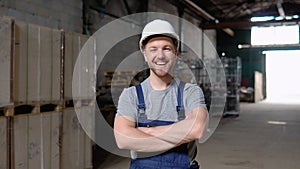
column 160, row 63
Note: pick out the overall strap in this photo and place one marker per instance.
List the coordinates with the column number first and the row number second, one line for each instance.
column 141, row 107
column 180, row 107
column 140, row 95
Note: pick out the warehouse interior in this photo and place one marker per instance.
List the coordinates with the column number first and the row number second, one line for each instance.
column 244, row 54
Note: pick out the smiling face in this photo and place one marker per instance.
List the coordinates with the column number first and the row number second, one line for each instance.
column 160, row 53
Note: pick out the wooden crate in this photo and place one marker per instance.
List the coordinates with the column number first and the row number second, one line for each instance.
column 37, row 63
column 4, row 156
column 6, row 49
column 72, row 46
column 76, row 145
column 36, row 140
column 258, row 86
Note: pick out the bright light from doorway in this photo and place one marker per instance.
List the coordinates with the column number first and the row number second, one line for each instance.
column 275, row 35
column 282, row 67
column 270, row 18
column 283, row 82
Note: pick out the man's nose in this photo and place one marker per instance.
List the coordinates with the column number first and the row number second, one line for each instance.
column 160, row 54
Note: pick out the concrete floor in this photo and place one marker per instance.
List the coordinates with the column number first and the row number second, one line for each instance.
column 264, row 136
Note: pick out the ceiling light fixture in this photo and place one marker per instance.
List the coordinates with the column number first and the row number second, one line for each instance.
column 262, row 18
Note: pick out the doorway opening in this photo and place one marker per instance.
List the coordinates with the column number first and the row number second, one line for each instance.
column 282, row 66
column 282, row 76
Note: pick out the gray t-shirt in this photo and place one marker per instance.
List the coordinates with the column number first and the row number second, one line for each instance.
column 161, row 104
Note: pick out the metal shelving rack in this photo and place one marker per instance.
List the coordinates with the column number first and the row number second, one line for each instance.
column 232, row 67
column 207, row 74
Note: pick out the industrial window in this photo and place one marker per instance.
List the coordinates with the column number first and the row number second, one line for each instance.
column 275, row 35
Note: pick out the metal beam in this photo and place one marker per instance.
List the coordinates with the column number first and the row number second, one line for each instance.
column 280, row 8
column 205, row 15
column 277, row 47
column 248, row 24
column 199, row 10
column 230, row 32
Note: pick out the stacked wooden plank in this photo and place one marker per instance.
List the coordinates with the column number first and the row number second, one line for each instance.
column 73, row 44
column 36, row 140
column 120, row 78
column 76, row 144
column 37, row 63
column 37, row 130
column 6, row 100
column 6, row 36
column 4, row 145
column 76, row 151
column 30, row 65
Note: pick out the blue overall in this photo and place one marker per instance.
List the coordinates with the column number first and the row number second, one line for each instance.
column 176, row 158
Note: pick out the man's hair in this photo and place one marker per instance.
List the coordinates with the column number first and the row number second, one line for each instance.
column 144, row 42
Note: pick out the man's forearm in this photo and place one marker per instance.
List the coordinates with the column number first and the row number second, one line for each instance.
column 187, row 130
column 129, row 137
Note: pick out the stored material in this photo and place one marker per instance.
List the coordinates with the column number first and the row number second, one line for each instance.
column 258, row 86
column 73, row 44
column 37, row 62
column 31, row 92
column 3, row 143
column 232, row 67
column 36, row 140
column 84, row 70
column 6, row 51
column 76, row 145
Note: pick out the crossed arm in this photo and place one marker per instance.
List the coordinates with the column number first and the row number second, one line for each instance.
column 160, row 138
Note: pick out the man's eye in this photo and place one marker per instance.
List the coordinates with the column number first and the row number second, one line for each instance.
column 167, row 49
column 153, row 50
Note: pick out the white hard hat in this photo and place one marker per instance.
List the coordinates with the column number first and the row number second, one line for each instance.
column 158, row 27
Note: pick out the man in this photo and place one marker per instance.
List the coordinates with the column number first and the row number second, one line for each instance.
column 160, row 115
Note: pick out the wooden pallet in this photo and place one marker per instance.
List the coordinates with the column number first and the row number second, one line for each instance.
column 120, row 73
column 31, row 108
column 79, row 103
column 121, row 82
column 123, row 78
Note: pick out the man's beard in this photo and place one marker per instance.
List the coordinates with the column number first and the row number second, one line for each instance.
column 161, row 73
